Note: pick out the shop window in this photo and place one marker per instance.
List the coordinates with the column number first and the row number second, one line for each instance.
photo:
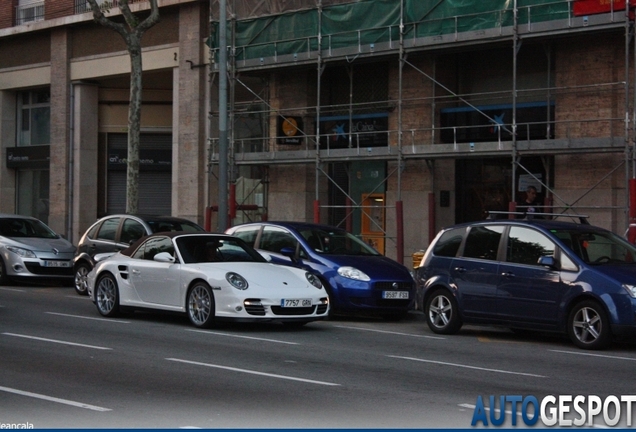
column 33, row 194
column 34, row 118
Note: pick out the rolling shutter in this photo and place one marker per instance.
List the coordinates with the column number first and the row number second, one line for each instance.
column 155, row 186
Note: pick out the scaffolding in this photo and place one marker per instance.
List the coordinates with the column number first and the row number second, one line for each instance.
column 276, row 36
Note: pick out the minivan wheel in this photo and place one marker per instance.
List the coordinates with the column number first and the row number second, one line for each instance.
column 588, row 326
column 442, row 314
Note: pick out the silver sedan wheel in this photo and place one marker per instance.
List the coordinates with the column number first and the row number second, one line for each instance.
column 201, row 305
column 81, row 279
column 107, row 296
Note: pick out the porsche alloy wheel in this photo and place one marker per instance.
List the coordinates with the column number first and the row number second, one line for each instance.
column 107, row 296
column 442, row 314
column 200, row 305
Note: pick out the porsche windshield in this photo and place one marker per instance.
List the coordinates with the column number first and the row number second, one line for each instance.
column 210, row 248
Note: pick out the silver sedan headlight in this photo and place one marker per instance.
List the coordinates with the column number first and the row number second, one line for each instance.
column 24, row 253
column 313, row 279
column 353, row 273
column 236, row 280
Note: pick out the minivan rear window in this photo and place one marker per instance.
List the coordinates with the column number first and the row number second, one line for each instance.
column 449, row 242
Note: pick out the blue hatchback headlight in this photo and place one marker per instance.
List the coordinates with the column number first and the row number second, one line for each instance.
column 353, row 273
column 236, row 280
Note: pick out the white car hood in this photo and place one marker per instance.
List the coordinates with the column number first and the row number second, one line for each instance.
column 265, row 275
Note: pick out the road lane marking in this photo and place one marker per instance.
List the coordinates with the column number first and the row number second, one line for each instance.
column 468, row 367
column 78, row 297
column 594, row 355
column 243, row 337
column 390, row 332
column 54, row 399
column 12, row 289
column 89, row 318
column 253, row 372
column 56, row 341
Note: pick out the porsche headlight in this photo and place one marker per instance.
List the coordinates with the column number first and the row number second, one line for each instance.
column 236, row 280
column 313, row 279
column 24, row 253
column 631, row 290
column 353, row 273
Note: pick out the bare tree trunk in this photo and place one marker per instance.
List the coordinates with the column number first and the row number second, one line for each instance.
column 134, row 126
column 131, row 31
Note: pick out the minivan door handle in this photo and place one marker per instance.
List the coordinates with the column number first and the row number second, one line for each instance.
column 508, row 274
column 460, row 269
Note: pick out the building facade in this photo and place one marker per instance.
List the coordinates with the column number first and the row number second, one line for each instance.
column 393, row 118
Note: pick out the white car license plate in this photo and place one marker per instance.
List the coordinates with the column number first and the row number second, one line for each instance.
column 56, row 264
column 395, row 294
column 292, row 303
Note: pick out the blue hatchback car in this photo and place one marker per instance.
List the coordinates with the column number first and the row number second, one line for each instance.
column 358, row 278
column 572, row 278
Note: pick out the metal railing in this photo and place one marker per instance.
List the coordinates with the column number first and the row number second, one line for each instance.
column 29, row 12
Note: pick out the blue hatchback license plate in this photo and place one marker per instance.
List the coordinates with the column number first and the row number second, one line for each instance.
column 395, row 295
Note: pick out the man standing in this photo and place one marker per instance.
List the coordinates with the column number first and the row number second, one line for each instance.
column 529, row 205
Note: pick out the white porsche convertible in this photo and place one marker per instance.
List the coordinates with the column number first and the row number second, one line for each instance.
column 210, row 277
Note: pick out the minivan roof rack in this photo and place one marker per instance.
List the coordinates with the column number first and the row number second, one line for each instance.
column 529, row 216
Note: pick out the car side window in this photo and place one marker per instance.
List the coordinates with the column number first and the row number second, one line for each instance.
column 449, row 242
column 131, row 231
column 108, row 230
column 154, row 246
column 526, row 246
column 483, row 242
column 92, row 232
column 274, row 239
column 247, row 234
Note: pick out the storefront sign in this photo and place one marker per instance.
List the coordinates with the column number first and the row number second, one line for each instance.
column 156, row 160
column 28, row 157
column 494, row 122
column 290, row 130
column 360, row 130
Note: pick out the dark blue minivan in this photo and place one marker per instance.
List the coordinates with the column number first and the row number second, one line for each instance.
column 544, row 275
column 358, row 278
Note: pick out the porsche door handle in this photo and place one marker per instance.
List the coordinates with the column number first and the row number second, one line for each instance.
column 134, row 271
column 508, row 274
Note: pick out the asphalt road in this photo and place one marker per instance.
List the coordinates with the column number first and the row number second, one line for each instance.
column 64, row 366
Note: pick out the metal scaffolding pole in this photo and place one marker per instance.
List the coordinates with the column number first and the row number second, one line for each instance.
column 222, row 221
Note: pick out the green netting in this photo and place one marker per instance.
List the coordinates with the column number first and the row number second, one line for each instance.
column 364, row 22
column 373, row 21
